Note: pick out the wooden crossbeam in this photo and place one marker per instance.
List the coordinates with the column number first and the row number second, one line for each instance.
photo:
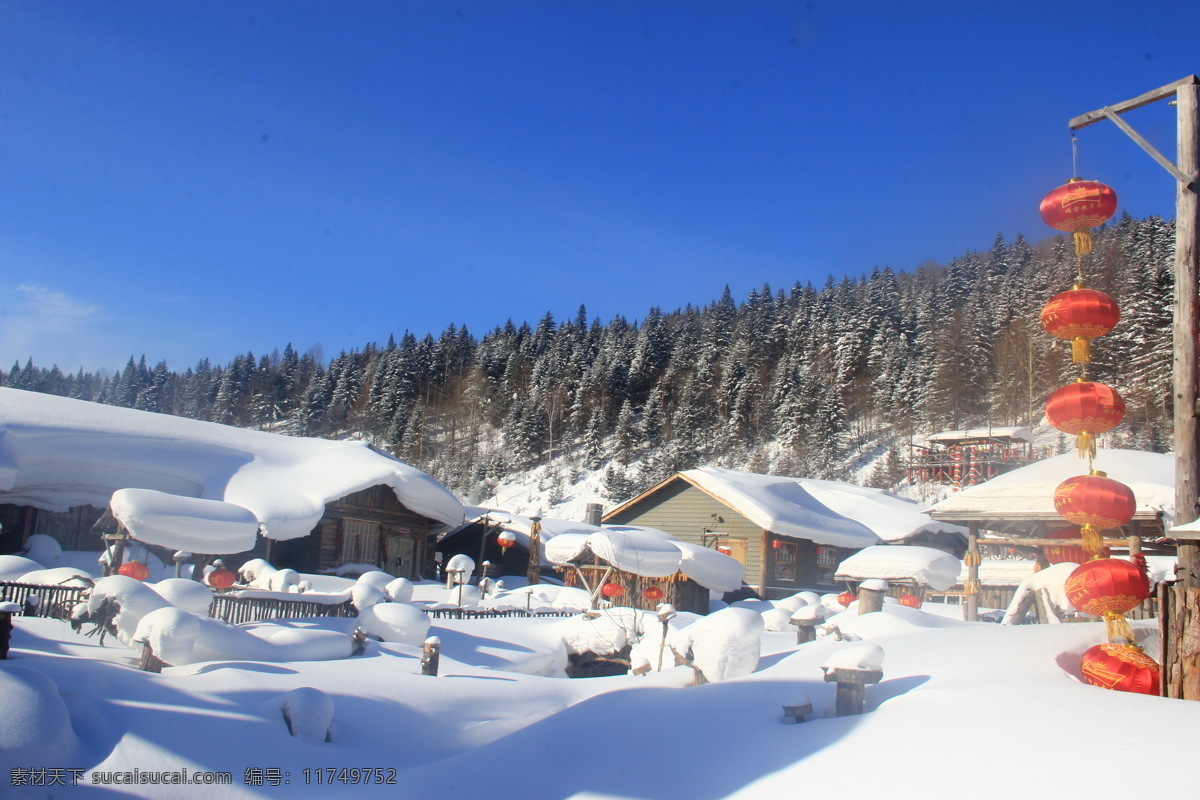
column 1092, row 117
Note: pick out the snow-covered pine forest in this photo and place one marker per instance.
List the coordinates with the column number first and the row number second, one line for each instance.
column 804, row 381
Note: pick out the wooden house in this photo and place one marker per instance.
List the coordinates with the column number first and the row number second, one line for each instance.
column 209, row 489
column 789, row 533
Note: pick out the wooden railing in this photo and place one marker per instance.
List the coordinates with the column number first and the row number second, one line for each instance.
column 55, row 602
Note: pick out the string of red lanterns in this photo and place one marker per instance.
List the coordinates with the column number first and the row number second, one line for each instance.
column 1099, row 586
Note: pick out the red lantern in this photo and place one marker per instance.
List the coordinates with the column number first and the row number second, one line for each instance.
column 1079, row 315
column 1095, row 502
column 1078, row 205
column 910, row 600
column 612, row 590
column 777, row 544
column 725, row 550
column 1122, row 667
column 846, row 598
column 653, row 593
column 1085, row 409
column 134, row 569
column 221, row 578
column 506, row 539
column 1061, row 553
column 1107, row 586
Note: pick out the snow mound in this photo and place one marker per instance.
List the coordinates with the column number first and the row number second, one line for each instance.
column 58, row 576
column 43, row 548
column 858, row 656
column 395, row 622
column 189, row 595
column 723, row 645
column 308, row 714
column 925, row 566
column 399, row 590
column 13, row 568
column 171, row 634
column 185, row 523
column 35, row 727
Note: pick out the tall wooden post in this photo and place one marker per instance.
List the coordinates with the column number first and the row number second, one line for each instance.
column 1187, row 267
column 533, row 572
column 1180, row 604
column 971, row 588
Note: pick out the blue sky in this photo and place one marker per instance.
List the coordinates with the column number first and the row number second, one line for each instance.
column 193, row 179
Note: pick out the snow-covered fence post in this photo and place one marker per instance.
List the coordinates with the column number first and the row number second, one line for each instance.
column 149, row 662
column 797, row 706
column 665, row 612
column 32, row 603
column 853, row 669
column 7, row 609
column 806, row 619
column 430, row 656
column 870, row 595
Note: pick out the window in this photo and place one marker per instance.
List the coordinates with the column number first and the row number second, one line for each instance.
column 360, row 542
column 827, row 561
column 787, row 556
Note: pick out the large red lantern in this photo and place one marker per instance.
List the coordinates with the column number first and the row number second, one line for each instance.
column 1062, row 553
column 910, row 600
column 1078, row 205
column 221, row 578
column 1122, row 667
column 1094, row 502
column 1079, row 315
column 653, row 593
column 846, row 598
column 134, row 569
column 1085, row 409
column 612, row 590
column 1107, row 586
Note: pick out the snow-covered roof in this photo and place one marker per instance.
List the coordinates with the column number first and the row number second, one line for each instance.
column 1022, row 434
column 924, row 566
column 1028, row 492
column 56, row 452
column 648, row 552
column 826, row 512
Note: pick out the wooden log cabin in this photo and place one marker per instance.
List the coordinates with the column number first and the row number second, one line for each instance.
column 969, row 457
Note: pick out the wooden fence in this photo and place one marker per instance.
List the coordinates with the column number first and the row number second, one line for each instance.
column 55, row 602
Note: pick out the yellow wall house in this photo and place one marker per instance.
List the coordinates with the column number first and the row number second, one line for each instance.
column 790, row 533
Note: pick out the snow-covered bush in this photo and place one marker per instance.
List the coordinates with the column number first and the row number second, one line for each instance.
column 307, row 713
column 171, row 634
column 722, row 645
column 183, row 593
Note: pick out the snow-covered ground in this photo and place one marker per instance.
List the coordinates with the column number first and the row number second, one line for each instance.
column 966, row 710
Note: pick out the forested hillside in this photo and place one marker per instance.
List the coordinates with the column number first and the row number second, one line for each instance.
column 794, row 381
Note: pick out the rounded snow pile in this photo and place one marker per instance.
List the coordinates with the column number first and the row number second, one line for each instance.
column 395, row 622
column 35, row 727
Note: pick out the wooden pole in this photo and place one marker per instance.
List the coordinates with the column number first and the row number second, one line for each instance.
column 1187, row 267
column 972, row 560
column 1180, row 609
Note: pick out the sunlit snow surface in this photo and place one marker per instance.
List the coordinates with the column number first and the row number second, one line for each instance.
column 500, row 721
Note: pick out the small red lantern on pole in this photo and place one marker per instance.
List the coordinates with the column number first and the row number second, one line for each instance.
column 506, row 539
column 1078, row 315
column 910, row 600
column 134, row 569
column 611, row 590
column 653, row 593
column 1076, row 206
column 1122, row 667
column 221, row 578
column 1085, row 409
column 846, row 598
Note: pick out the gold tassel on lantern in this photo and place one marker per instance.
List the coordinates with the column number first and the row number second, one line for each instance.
column 1081, row 351
column 1083, row 243
column 1086, row 442
column 1093, row 542
column 1117, row 628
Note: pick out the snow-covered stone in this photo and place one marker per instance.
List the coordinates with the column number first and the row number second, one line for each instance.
column 395, row 622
